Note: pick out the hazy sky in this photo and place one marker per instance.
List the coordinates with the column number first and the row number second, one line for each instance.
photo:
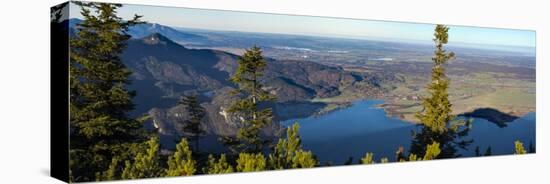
column 318, row 26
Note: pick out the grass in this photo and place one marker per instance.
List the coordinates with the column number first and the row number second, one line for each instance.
column 468, row 92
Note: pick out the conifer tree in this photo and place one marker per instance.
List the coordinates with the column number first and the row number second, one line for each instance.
column 437, row 121
column 303, row 159
column 192, row 125
column 249, row 162
column 288, row 152
column 146, row 163
column 181, row 163
column 368, row 159
column 437, row 111
column 432, row 151
column 219, row 166
column 519, row 148
column 251, row 93
column 99, row 101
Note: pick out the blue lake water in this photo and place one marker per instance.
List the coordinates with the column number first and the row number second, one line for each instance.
column 362, row 127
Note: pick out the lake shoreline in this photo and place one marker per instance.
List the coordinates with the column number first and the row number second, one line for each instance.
column 365, row 127
column 401, row 110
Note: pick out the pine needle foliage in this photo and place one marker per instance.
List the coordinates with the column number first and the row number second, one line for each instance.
column 219, row 166
column 288, row 153
column 181, row 163
column 249, row 162
column 438, row 124
column 432, row 151
column 146, row 163
column 368, row 159
column 251, row 93
column 99, row 100
column 519, row 148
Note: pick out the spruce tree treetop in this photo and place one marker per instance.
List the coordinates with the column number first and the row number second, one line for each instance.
column 99, row 100
column 251, row 93
column 437, row 120
column 436, row 112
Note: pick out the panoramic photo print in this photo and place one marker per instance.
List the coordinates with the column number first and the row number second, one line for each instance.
column 167, row 91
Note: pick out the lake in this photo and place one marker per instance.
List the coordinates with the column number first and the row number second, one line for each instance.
column 363, row 127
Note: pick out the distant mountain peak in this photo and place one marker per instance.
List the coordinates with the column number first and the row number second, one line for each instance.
column 157, row 38
column 145, row 30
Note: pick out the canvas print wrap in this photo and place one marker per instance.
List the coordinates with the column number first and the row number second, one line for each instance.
column 164, row 91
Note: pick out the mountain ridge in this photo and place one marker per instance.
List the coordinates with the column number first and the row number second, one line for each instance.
column 166, row 70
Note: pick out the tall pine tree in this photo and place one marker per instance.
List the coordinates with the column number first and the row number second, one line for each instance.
column 99, row 102
column 192, row 125
column 247, row 77
column 438, row 124
column 436, row 112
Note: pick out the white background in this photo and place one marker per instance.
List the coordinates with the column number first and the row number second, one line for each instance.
column 25, row 94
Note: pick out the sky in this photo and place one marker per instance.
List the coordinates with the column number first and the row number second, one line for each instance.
column 318, row 26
